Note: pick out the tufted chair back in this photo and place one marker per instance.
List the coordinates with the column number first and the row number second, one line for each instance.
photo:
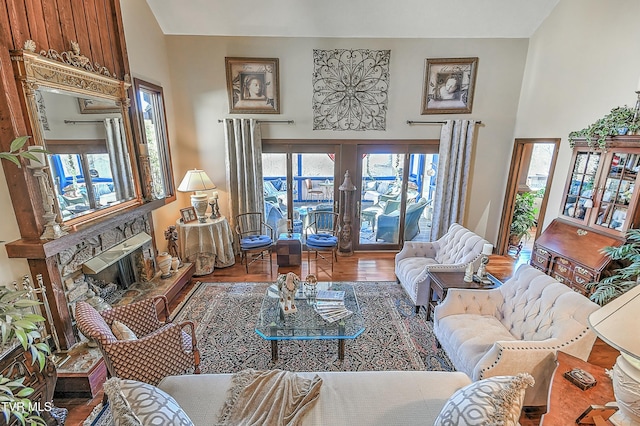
column 459, row 245
column 537, row 307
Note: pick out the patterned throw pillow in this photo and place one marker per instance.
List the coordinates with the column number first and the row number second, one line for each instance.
column 490, row 402
column 122, row 332
column 136, row 404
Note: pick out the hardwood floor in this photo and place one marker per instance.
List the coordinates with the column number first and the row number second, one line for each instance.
column 362, row 266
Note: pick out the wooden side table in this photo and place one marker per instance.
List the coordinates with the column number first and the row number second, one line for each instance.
column 567, row 401
column 289, row 250
column 443, row 281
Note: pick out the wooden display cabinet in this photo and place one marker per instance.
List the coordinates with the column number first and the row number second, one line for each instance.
column 599, row 205
column 600, row 192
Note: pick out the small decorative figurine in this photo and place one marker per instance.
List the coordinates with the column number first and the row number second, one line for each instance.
column 468, row 274
column 311, row 291
column 171, row 235
column 287, row 286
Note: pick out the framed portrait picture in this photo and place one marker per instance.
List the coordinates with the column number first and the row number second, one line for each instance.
column 188, row 214
column 449, row 85
column 253, row 85
column 93, row 106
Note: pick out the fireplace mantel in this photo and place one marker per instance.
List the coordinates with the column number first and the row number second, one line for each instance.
column 42, row 249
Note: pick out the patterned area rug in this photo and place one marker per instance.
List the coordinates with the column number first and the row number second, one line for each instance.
column 225, row 315
column 394, row 339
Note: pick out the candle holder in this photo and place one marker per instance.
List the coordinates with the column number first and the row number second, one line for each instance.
column 52, row 229
column 215, row 210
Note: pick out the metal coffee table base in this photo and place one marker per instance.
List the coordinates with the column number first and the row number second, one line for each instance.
column 274, row 350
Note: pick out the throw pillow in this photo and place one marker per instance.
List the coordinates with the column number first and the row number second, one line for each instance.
column 122, row 332
column 491, row 402
column 136, row 404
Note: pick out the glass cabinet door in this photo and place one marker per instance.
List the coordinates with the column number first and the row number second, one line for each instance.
column 581, row 186
column 619, row 181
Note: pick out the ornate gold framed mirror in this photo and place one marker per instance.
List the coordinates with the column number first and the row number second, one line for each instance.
column 78, row 112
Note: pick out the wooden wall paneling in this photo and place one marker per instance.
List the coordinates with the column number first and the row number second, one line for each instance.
column 120, row 42
column 106, row 35
column 80, row 23
column 17, row 21
column 93, row 29
column 67, row 24
column 52, row 24
column 37, row 29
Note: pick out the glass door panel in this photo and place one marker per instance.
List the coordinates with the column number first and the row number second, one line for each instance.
column 580, row 192
column 394, row 204
column 618, row 188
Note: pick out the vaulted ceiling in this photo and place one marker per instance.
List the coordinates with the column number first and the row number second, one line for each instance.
column 353, row 18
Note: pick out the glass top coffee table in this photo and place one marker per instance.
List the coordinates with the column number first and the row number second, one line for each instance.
column 306, row 323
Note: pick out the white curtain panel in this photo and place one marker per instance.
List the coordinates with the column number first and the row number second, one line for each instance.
column 244, row 166
column 119, row 158
column 456, row 140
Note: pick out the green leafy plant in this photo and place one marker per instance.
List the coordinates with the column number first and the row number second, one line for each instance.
column 623, row 278
column 19, row 323
column 524, row 217
column 619, row 121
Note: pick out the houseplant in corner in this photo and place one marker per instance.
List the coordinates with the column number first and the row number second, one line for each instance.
column 18, row 324
column 620, row 121
column 523, row 218
column 623, row 278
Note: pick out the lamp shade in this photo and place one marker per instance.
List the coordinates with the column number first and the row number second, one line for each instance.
column 616, row 322
column 196, row 180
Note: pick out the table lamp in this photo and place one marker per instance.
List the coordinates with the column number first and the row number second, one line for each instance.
column 616, row 323
column 197, row 180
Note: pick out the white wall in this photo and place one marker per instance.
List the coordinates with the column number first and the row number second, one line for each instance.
column 200, row 98
column 148, row 61
column 583, row 61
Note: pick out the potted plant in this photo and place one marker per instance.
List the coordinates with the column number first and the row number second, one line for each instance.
column 623, row 278
column 523, row 218
column 18, row 324
column 619, row 121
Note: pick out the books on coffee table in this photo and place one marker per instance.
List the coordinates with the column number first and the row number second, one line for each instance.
column 330, row 305
column 331, row 295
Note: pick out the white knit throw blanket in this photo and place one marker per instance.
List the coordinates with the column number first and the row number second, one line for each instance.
column 270, row 397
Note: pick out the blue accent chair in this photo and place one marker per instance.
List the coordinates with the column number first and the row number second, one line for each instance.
column 322, row 236
column 256, row 238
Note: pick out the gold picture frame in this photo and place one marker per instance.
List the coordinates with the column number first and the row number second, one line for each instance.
column 188, row 214
column 449, row 85
column 253, row 85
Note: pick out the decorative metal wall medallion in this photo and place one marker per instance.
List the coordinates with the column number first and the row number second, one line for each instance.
column 350, row 89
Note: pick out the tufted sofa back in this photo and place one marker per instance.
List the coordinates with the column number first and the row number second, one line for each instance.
column 537, row 307
column 459, row 245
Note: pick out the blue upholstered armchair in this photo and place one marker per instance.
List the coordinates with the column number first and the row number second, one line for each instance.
column 388, row 224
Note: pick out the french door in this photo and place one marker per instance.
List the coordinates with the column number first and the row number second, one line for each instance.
column 298, row 180
column 396, row 185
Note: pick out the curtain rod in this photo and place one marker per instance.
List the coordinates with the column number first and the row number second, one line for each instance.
column 82, row 121
column 432, row 122
column 268, row 121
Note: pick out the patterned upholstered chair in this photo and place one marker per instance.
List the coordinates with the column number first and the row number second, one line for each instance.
column 159, row 349
column 452, row 252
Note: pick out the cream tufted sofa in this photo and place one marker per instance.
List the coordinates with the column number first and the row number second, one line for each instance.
column 452, row 252
column 515, row 328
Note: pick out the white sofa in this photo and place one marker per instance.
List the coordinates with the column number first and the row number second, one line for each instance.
column 452, row 252
column 515, row 328
column 346, row 398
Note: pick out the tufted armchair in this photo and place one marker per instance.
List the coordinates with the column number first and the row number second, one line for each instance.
column 157, row 351
column 452, row 252
column 515, row 328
